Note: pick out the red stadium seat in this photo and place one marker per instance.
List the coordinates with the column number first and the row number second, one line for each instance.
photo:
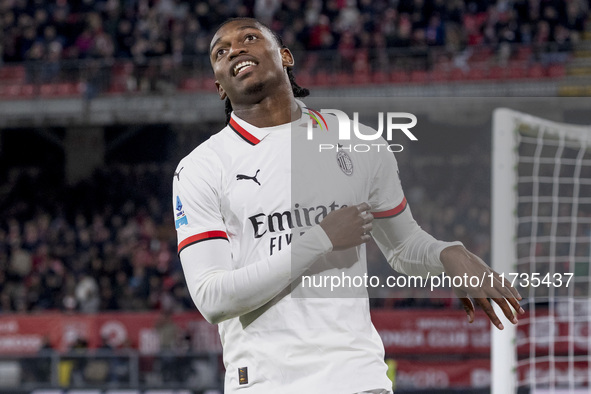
column 536, row 71
column 523, row 53
column 71, row 88
column 190, row 84
column 47, row 90
column 12, row 90
column 117, row 87
column 399, row 76
column 27, row 91
column 457, row 74
column 477, row 74
column 322, row 78
column 516, row 71
column 362, row 78
column 208, row 84
column 419, row 76
column 122, row 69
column 343, row 79
column 497, row 73
column 442, row 63
column 481, row 54
column 439, row 75
column 13, row 74
column 379, row 77
column 4, row 91
column 65, row 89
column 304, row 78
column 556, row 71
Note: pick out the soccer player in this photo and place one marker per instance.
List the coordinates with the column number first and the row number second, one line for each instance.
column 245, row 238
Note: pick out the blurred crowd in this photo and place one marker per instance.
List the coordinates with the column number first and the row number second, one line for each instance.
column 105, row 244
column 142, row 29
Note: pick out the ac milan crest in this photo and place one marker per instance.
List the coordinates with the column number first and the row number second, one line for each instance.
column 345, row 162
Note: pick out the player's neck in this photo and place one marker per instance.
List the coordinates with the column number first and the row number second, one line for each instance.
column 270, row 111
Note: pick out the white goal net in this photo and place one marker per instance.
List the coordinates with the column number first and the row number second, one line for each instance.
column 541, row 239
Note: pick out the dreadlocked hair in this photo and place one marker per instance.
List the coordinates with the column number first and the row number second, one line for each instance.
column 298, row 91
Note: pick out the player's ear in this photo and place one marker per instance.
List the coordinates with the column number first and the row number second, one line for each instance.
column 220, row 90
column 286, row 57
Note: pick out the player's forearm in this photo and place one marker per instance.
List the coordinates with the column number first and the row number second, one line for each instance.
column 408, row 248
column 221, row 293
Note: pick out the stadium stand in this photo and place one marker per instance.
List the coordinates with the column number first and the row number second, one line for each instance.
column 85, row 248
column 85, row 48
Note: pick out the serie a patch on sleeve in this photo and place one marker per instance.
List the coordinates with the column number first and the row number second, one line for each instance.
column 243, row 375
column 181, row 218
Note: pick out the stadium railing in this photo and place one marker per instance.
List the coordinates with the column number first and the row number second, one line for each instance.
column 164, row 75
column 104, row 368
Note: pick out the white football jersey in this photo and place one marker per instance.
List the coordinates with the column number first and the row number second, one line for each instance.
column 258, row 188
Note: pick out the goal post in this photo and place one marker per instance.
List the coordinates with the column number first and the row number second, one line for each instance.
column 541, row 236
column 503, row 253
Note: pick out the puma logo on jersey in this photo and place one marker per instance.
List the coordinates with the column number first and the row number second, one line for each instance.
column 178, row 174
column 241, row 177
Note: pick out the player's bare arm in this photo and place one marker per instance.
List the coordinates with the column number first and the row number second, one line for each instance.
column 458, row 261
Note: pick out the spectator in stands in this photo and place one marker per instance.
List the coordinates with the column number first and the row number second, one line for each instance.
column 40, row 367
column 169, row 336
column 124, row 38
column 51, row 66
column 264, row 10
column 84, row 43
column 87, row 294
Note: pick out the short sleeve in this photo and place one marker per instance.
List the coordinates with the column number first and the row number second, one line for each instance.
column 196, row 189
column 386, row 195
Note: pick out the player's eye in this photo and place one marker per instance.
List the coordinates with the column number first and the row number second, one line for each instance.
column 220, row 52
column 250, row 37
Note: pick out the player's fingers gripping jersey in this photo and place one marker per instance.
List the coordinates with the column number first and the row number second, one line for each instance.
column 248, row 193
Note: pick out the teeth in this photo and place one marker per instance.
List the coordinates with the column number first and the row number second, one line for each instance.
column 240, row 66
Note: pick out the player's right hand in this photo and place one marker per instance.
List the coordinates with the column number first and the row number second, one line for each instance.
column 460, row 262
column 348, row 227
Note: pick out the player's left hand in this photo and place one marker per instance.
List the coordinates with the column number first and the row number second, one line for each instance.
column 458, row 261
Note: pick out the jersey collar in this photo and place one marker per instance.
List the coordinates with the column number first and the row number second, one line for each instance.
column 252, row 134
column 249, row 133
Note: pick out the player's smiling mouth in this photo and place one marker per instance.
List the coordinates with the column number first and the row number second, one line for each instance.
column 242, row 66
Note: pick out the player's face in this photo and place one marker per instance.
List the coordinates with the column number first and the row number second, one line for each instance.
column 246, row 61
